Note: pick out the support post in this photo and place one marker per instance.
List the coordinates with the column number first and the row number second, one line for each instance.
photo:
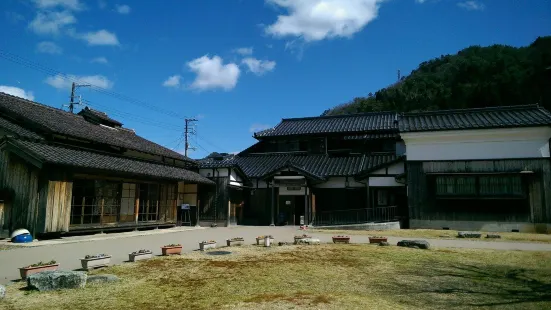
column 197, row 214
column 272, row 204
column 228, row 219
column 305, row 204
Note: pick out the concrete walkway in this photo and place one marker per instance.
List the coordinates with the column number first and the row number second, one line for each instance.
column 68, row 251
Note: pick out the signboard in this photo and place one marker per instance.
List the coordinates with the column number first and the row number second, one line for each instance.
column 288, row 202
column 185, row 206
column 302, row 220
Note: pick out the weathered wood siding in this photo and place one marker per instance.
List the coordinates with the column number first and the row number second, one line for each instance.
column 20, row 182
column 423, row 205
column 58, row 206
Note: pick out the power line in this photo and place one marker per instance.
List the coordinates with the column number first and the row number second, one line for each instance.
column 39, row 67
column 209, row 143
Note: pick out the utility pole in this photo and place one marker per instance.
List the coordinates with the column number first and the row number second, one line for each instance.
column 73, row 89
column 188, row 130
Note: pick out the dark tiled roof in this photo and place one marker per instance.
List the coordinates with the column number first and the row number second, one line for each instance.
column 374, row 136
column 51, row 120
column 318, row 165
column 483, row 118
column 18, row 130
column 224, row 162
column 99, row 115
column 59, row 155
column 356, row 123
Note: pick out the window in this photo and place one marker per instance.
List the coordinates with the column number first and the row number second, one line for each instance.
column 501, row 186
column 455, row 186
column 480, row 186
column 382, row 197
column 90, row 198
column 294, row 188
column 149, row 202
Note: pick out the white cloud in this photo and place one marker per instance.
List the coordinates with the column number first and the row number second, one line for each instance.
column 99, row 60
column 212, row 73
column 172, row 81
column 314, row 20
column 244, row 51
column 49, row 48
column 256, row 127
column 421, row 1
column 471, row 5
column 122, row 9
column 60, row 82
column 16, row 91
column 100, row 37
column 259, row 67
column 51, row 22
column 74, row 5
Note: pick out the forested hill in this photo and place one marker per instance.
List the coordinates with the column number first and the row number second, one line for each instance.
column 475, row 77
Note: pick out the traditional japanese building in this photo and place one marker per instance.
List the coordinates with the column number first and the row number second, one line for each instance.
column 64, row 172
column 325, row 170
column 482, row 169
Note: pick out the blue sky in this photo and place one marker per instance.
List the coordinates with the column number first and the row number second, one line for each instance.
column 238, row 65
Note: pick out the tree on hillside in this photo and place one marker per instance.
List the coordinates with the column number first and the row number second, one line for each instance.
column 475, row 77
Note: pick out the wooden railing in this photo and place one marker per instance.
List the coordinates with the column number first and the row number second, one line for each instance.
column 355, row 216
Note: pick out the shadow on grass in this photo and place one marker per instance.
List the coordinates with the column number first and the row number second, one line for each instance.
column 492, row 285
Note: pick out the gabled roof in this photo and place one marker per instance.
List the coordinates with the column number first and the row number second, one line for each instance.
column 377, row 162
column 44, row 119
column 42, row 152
column 318, row 166
column 294, row 166
column 356, row 123
column 224, row 161
column 482, row 118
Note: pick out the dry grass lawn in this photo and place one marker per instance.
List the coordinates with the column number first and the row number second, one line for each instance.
column 442, row 234
column 314, row 277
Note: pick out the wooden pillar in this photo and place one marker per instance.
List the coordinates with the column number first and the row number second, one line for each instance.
column 306, row 204
column 228, row 212
column 367, row 201
column 102, row 203
column 137, row 204
column 272, row 205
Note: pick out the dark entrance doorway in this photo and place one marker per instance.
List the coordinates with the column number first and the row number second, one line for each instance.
column 291, row 208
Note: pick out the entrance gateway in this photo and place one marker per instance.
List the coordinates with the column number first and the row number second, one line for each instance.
column 292, row 204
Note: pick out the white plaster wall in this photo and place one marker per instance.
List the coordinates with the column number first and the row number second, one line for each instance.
column 235, row 179
column 383, row 181
column 396, row 168
column 284, row 192
column 478, row 144
column 339, row 182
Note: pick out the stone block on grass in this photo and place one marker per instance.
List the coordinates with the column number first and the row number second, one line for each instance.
column 384, row 243
column 493, row 236
column 2, row 291
column 102, row 278
column 419, row 244
column 469, row 234
column 309, row 241
column 56, row 280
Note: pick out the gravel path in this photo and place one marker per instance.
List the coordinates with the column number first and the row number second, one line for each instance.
column 68, row 251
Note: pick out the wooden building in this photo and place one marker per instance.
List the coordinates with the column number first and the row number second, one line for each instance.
column 323, row 170
column 481, row 169
column 62, row 172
